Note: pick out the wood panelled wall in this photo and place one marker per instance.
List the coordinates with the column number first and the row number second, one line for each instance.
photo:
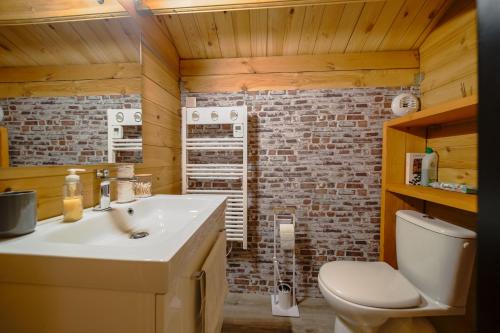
column 161, row 147
column 456, row 146
column 70, row 80
column 448, row 57
column 161, row 128
column 370, row 69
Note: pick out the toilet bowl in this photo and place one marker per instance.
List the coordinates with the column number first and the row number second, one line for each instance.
column 371, row 297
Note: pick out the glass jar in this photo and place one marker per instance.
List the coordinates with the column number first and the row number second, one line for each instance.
column 143, row 185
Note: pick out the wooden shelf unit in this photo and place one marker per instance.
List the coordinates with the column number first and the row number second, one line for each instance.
column 457, row 200
column 451, row 130
column 457, row 110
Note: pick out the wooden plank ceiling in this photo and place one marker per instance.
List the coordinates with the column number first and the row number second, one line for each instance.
column 70, row 43
column 43, row 11
column 302, row 30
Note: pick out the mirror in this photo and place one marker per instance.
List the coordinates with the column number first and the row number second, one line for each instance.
column 70, row 93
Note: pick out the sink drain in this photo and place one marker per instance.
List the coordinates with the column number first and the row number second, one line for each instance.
column 140, row 234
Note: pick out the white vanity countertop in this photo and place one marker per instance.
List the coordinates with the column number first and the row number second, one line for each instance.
column 101, row 242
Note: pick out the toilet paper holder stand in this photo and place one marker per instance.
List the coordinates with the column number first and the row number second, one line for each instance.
column 283, row 298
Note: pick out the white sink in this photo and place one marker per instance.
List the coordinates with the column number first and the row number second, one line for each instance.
column 97, row 251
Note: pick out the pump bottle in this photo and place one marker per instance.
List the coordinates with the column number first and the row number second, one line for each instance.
column 72, row 196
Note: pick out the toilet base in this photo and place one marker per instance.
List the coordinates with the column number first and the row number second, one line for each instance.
column 407, row 325
column 394, row 325
column 342, row 326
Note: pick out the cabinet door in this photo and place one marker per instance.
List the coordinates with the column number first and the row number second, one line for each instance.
column 214, row 286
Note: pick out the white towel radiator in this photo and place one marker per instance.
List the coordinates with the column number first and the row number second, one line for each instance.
column 117, row 119
column 236, row 211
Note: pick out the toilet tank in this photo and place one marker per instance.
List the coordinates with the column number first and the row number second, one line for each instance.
column 436, row 256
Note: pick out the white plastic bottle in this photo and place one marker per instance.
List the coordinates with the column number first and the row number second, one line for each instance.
column 429, row 167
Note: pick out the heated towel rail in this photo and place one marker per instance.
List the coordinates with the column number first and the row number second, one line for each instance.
column 211, row 140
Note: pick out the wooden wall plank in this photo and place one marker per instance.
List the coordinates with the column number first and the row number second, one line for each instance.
column 161, row 75
column 208, row 31
column 175, row 28
column 364, row 26
column 192, row 34
column 169, row 119
column 310, row 28
column 328, row 29
column 71, row 88
column 242, row 33
column 70, row 72
column 401, row 23
column 456, row 146
column 297, row 64
column 293, row 27
column 168, row 179
column 159, row 136
column 425, row 17
column 348, row 21
column 4, row 147
column 383, row 24
column 258, row 28
column 224, row 24
column 305, row 80
column 158, row 95
column 449, row 56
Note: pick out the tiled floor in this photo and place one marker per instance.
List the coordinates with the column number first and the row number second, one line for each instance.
column 248, row 313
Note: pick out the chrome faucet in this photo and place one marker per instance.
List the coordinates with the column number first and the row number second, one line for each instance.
column 105, row 189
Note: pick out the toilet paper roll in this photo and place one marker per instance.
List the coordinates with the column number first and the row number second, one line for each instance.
column 287, row 236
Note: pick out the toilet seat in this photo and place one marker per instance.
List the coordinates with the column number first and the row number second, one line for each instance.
column 371, row 284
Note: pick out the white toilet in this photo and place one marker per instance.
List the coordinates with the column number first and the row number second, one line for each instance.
column 435, row 262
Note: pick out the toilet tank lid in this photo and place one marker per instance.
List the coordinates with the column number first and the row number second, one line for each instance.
column 434, row 224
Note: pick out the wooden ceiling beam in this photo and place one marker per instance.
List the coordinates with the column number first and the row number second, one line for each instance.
column 369, row 69
column 303, row 80
column 301, row 63
column 200, row 6
column 15, row 12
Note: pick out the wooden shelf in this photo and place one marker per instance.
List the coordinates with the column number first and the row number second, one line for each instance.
column 456, row 110
column 462, row 201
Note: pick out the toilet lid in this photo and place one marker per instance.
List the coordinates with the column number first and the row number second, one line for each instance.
column 374, row 284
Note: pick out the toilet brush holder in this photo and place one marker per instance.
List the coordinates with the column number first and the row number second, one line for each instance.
column 285, row 296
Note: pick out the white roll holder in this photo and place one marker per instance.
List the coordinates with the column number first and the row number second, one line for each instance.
column 280, row 305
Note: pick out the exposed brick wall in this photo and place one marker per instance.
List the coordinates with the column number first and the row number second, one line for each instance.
column 319, row 151
column 63, row 130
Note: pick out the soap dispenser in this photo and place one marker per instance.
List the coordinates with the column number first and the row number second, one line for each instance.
column 72, row 196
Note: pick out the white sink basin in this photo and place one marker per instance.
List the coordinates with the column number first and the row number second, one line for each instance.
column 98, row 252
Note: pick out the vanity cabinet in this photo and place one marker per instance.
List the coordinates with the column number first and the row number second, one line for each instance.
column 35, row 308
column 179, row 310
